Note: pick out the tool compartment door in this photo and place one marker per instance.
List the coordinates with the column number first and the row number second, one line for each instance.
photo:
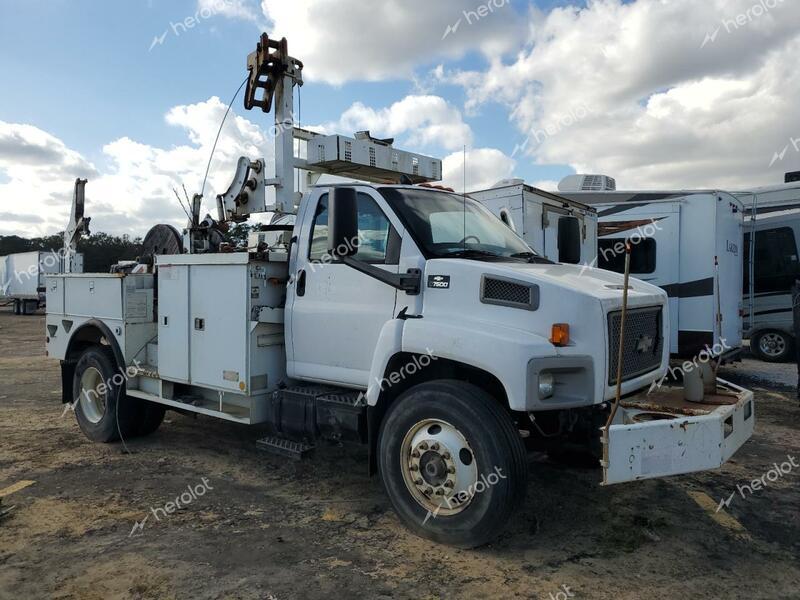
column 218, row 325
column 173, row 323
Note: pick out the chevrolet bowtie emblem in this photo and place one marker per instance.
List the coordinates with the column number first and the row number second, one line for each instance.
column 644, row 344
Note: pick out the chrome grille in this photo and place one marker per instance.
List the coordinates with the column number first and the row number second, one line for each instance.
column 643, row 345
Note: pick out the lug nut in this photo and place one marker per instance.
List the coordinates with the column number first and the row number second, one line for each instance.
column 451, row 470
column 434, row 446
column 414, row 468
column 428, row 491
column 418, row 481
column 423, row 446
column 415, row 454
column 440, row 492
column 446, row 456
column 448, row 484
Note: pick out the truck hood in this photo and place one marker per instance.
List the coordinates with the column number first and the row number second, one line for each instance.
column 606, row 286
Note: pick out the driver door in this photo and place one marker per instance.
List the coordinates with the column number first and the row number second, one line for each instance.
column 337, row 313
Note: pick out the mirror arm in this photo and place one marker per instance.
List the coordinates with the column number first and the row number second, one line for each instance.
column 409, row 282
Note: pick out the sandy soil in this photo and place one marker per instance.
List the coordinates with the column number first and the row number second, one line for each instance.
column 271, row 528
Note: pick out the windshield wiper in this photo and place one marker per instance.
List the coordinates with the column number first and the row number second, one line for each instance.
column 471, row 253
column 532, row 257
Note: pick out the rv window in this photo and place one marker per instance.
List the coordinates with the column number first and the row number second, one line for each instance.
column 776, row 260
column 611, row 255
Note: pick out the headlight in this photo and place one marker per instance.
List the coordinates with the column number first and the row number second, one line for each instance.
column 547, row 384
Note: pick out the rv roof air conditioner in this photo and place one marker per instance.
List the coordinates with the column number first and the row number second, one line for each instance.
column 587, row 183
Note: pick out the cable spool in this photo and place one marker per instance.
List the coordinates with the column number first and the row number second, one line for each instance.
column 161, row 240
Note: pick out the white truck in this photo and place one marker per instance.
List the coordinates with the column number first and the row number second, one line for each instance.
column 406, row 318
column 23, row 275
column 22, row 278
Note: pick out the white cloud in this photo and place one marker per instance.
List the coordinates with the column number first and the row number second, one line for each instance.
column 666, row 113
column 136, row 191
column 484, row 168
column 233, row 9
column 346, row 40
column 427, row 121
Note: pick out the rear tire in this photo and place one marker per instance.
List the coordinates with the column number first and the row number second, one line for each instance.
column 452, row 462
column 151, row 417
column 102, row 409
column 772, row 346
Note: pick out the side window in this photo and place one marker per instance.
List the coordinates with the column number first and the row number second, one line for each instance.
column 776, row 260
column 374, row 230
column 611, row 255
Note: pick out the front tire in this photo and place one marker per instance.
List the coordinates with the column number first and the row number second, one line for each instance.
column 452, row 462
column 772, row 346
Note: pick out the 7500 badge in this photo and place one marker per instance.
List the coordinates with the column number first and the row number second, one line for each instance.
column 441, row 282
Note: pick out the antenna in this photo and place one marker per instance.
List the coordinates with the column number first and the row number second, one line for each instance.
column 464, row 197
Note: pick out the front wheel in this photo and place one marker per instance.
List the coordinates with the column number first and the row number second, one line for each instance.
column 772, row 346
column 452, row 462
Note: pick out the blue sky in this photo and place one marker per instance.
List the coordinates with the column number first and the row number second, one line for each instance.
column 103, row 82
column 659, row 95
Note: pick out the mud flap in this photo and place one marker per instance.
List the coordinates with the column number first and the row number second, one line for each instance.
column 661, row 434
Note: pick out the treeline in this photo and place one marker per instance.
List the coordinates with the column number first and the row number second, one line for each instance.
column 100, row 250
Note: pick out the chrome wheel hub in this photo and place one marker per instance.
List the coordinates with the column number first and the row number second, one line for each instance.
column 439, row 467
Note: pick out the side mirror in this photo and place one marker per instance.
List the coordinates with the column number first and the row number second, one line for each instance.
column 569, row 240
column 342, row 222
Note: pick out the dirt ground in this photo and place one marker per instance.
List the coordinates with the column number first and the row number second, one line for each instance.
column 269, row 528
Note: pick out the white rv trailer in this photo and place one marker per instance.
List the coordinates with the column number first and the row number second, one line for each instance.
column 22, row 278
column 406, row 318
column 772, row 264
column 560, row 229
column 688, row 243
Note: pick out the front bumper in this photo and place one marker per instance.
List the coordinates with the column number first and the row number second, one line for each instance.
column 661, row 434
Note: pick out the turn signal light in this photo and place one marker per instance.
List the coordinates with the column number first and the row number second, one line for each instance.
column 560, row 334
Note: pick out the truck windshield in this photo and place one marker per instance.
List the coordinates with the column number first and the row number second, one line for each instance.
column 449, row 225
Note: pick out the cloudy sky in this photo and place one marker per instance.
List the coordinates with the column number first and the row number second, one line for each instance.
column 660, row 94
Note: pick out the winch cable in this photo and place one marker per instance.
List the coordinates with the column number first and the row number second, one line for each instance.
column 214, row 147
column 625, row 283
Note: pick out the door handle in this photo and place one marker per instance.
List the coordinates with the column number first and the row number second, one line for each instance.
column 301, row 283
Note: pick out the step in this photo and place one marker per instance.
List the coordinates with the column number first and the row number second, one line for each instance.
column 286, row 448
